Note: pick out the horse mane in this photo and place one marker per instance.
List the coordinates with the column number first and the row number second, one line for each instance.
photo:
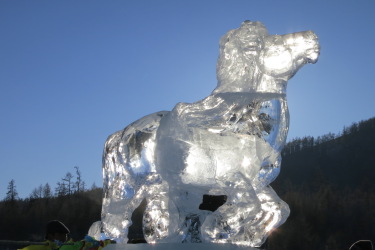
column 236, row 67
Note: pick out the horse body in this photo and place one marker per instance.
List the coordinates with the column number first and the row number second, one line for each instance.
column 227, row 144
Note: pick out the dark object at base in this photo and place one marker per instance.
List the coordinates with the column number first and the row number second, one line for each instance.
column 135, row 234
column 362, row 245
column 212, row 202
column 137, row 241
column 55, row 226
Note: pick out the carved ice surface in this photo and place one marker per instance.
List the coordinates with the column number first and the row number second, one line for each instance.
column 225, row 147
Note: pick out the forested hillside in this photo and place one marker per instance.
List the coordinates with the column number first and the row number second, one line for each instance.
column 26, row 219
column 328, row 183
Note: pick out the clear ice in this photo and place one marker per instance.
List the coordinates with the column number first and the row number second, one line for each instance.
column 205, row 168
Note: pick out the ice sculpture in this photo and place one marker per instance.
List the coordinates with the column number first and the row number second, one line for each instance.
column 204, row 168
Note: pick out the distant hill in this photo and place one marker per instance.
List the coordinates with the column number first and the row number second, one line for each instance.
column 329, row 185
column 26, row 219
column 346, row 161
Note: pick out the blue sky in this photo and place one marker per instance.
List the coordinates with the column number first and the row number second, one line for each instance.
column 73, row 72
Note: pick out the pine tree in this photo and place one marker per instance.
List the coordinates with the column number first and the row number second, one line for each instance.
column 47, row 193
column 12, row 193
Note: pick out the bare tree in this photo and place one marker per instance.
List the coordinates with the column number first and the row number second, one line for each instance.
column 60, row 189
column 79, row 184
column 37, row 192
column 68, row 183
column 47, row 193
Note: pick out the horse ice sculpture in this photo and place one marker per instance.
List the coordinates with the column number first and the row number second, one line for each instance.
column 225, row 146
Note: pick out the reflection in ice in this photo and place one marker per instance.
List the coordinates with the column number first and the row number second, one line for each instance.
column 204, row 168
